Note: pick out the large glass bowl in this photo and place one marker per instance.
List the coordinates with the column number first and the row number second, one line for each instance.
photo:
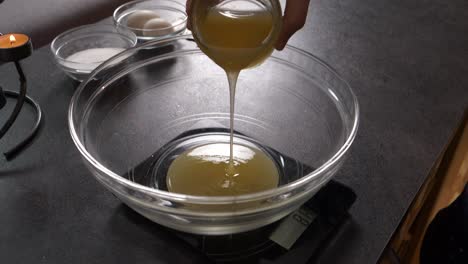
column 135, row 112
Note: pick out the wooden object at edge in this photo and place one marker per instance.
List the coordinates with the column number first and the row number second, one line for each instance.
column 444, row 184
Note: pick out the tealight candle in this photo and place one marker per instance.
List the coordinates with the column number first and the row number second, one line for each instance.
column 14, row 47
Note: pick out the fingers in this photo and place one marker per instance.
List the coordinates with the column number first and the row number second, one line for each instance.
column 294, row 19
column 188, row 11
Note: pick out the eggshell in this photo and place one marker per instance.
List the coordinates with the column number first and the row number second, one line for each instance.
column 157, row 27
column 139, row 18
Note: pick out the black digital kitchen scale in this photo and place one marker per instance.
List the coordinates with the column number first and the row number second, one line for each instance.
column 297, row 238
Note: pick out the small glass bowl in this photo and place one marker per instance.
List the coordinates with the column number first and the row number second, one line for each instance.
column 80, row 50
column 170, row 11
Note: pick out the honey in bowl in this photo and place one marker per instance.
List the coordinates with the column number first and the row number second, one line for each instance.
column 236, row 35
column 203, row 171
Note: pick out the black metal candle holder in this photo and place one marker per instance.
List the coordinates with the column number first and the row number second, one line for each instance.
column 14, row 54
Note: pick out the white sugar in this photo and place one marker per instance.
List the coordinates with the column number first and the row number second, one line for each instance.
column 88, row 60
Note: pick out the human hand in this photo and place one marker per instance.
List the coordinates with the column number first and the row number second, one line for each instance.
column 294, row 19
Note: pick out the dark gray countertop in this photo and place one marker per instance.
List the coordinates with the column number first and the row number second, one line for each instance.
column 406, row 61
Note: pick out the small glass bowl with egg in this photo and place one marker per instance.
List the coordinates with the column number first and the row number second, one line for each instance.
column 80, row 50
column 152, row 19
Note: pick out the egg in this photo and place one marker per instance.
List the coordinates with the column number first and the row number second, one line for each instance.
column 157, row 27
column 138, row 18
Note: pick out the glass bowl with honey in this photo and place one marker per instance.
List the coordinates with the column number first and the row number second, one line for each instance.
column 154, row 126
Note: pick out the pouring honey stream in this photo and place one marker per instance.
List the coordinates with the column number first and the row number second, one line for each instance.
column 236, row 35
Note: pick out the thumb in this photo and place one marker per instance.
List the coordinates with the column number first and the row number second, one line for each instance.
column 188, row 10
column 294, row 19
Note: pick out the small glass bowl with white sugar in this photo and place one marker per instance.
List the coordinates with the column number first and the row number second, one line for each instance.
column 152, row 19
column 80, row 50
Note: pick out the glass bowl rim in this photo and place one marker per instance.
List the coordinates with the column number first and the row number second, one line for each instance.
column 118, row 9
column 127, row 34
column 212, row 200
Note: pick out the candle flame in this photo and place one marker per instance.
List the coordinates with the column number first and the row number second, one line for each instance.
column 12, row 39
